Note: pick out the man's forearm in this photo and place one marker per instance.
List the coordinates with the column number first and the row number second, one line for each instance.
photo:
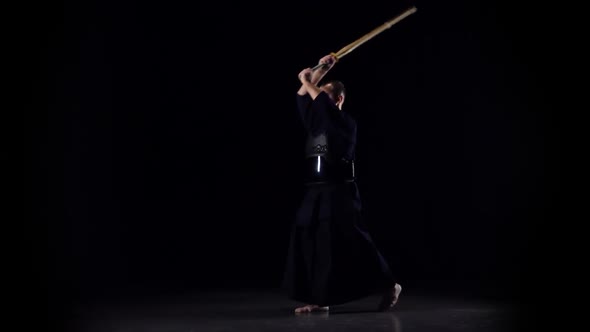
column 302, row 90
column 318, row 74
column 311, row 89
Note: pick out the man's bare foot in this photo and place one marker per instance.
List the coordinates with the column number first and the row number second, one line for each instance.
column 397, row 289
column 311, row 308
column 390, row 298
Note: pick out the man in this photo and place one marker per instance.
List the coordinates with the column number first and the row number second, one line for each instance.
column 331, row 258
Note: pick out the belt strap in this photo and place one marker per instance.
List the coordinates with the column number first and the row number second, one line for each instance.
column 320, row 169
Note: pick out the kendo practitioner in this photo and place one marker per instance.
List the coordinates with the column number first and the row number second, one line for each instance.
column 331, row 257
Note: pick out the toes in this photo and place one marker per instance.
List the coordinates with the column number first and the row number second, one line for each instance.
column 310, row 308
column 303, row 309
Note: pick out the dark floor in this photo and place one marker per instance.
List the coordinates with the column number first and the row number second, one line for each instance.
column 271, row 311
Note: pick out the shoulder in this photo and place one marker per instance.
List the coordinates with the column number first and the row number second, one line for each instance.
column 349, row 118
column 324, row 98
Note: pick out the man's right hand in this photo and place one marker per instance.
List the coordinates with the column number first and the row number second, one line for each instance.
column 328, row 61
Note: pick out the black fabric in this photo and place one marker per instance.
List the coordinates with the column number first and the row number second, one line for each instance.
column 331, row 258
column 323, row 170
column 321, row 117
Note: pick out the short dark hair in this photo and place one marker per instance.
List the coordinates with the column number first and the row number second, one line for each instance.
column 337, row 88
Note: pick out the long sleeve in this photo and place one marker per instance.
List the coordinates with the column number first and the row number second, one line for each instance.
column 320, row 114
column 304, row 107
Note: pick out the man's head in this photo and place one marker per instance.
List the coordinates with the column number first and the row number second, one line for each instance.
column 335, row 89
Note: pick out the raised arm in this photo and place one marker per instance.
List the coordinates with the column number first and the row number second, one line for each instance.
column 306, row 85
column 314, row 77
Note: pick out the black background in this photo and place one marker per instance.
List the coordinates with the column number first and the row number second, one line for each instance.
column 166, row 143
